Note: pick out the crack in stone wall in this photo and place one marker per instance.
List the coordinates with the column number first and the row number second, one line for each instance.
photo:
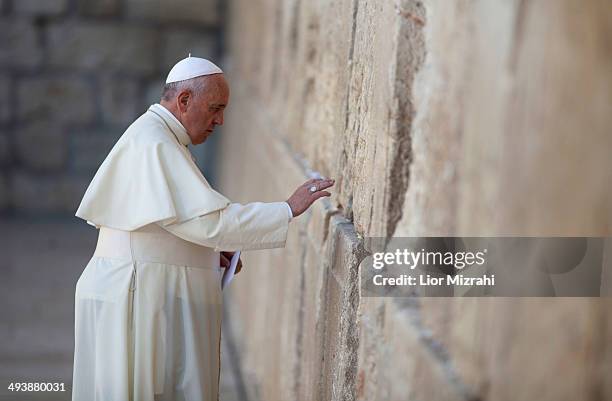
column 410, row 57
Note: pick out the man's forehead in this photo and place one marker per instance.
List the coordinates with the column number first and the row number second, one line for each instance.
column 218, row 80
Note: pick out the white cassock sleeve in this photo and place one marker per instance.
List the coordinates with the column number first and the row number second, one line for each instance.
column 255, row 225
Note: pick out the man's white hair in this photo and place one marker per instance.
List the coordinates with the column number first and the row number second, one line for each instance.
column 197, row 86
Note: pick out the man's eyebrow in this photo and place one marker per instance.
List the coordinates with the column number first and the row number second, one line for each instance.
column 218, row 105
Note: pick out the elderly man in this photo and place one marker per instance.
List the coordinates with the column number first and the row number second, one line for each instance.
column 148, row 303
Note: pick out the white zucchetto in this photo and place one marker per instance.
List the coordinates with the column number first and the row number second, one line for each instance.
column 191, row 67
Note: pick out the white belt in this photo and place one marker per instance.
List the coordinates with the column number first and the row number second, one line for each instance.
column 152, row 243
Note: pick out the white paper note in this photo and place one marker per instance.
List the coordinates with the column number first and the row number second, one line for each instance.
column 230, row 271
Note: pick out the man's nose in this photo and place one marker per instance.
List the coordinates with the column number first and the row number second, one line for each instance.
column 218, row 120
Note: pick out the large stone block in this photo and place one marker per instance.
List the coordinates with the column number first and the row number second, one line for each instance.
column 344, row 253
column 324, row 112
column 41, row 145
column 19, row 46
column 425, row 375
column 460, row 327
column 37, row 7
column 489, row 80
column 177, row 44
column 196, row 11
column 396, row 360
column 120, row 99
column 475, row 334
column 59, row 99
column 311, row 328
column 103, row 46
column 99, row 7
column 277, row 275
column 372, row 167
column 526, row 324
column 88, row 149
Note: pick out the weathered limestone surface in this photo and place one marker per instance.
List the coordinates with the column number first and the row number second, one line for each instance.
column 436, row 118
column 529, row 98
column 521, row 149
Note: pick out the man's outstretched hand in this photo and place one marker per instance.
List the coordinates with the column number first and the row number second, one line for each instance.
column 303, row 197
column 226, row 259
column 299, row 202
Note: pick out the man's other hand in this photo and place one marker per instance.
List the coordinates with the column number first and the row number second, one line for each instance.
column 307, row 193
column 226, row 259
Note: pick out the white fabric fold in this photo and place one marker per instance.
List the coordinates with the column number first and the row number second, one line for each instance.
column 255, row 225
column 148, row 176
column 147, row 319
column 289, row 211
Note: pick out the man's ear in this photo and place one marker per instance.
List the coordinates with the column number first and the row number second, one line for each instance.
column 184, row 98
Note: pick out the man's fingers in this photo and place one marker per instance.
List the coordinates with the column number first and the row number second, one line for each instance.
column 320, row 194
column 325, row 184
column 309, row 192
column 309, row 182
column 225, row 262
column 320, row 183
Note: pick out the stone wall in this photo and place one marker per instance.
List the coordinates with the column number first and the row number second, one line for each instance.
column 73, row 75
column 483, row 117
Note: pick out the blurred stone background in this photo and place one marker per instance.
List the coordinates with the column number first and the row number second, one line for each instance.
column 436, row 117
column 73, row 75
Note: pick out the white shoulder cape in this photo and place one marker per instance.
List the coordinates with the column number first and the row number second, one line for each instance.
column 148, row 177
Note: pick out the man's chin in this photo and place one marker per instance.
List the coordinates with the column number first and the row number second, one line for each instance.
column 202, row 140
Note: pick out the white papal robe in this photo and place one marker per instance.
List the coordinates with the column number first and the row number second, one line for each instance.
column 148, row 303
